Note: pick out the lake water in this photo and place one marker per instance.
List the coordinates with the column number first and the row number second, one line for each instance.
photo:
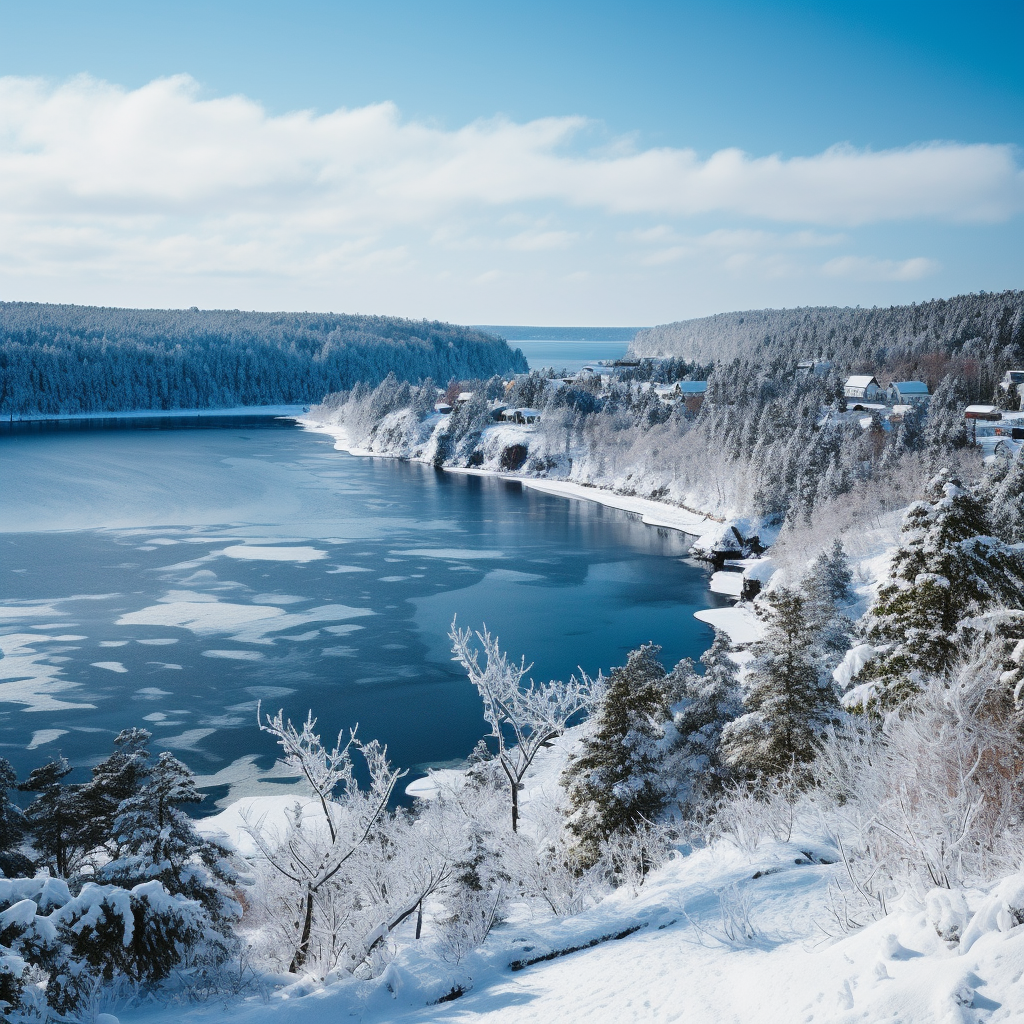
column 569, row 355
column 171, row 578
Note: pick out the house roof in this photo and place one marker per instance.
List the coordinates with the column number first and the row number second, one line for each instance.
column 860, row 382
column 911, row 387
column 693, row 387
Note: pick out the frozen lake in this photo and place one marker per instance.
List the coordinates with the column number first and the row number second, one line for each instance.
column 171, row 578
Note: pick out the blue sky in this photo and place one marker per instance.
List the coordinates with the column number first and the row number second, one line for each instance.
column 556, row 163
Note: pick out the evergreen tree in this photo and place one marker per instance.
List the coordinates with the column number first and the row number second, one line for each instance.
column 58, row 818
column 1007, row 500
column 946, row 568
column 705, row 705
column 114, row 780
column 831, row 572
column 12, row 826
column 945, row 429
column 789, row 702
column 616, row 780
column 155, row 839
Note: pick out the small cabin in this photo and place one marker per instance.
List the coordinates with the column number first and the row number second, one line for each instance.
column 909, row 392
column 864, row 388
column 982, row 412
column 521, row 416
column 442, row 407
column 464, row 397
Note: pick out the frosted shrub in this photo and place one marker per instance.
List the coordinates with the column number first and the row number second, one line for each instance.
column 932, row 797
column 752, row 814
column 630, row 856
column 471, row 920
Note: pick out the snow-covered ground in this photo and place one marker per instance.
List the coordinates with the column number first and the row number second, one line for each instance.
column 715, row 936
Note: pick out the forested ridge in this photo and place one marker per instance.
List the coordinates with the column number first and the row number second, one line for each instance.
column 965, row 327
column 75, row 359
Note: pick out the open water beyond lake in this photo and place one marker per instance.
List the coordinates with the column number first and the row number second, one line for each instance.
column 172, row 578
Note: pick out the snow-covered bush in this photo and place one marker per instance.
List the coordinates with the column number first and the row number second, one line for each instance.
column 931, row 796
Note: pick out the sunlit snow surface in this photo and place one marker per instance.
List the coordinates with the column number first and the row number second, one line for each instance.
column 175, row 578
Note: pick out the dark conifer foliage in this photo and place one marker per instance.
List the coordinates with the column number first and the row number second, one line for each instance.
column 978, row 335
column 75, row 359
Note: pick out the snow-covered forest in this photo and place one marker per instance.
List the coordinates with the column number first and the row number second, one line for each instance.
column 75, row 359
column 833, row 793
column 970, row 334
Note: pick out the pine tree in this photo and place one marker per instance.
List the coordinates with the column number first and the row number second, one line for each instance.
column 831, row 570
column 155, row 839
column 114, row 780
column 946, row 568
column 1007, row 502
column 945, row 428
column 616, row 780
column 789, row 702
column 58, row 819
column 12, row 826
column 705, row 704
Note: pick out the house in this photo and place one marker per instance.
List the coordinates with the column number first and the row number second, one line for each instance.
column 982, row 412
column 865, row 388
column 442, row 407
column 521, row 416
column 464, row 396
column 909, row 392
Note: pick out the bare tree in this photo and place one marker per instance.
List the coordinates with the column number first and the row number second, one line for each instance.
column 308, row 855
column 522, row 718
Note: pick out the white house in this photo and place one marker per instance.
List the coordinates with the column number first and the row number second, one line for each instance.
column 909, row 392
column 865, row 388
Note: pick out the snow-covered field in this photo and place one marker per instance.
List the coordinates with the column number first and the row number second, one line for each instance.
column 720, row 935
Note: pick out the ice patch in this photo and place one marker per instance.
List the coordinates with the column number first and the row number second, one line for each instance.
column 164, row 664
column 43, row 736
column 30, row 678
column 153, row 691
column 114, row 643
column 339, row 652
column 342, row 630
column 234, row 655
column 728, row 583
column 392, row 579
column 110, row 666
column 34, row 609
column 278, row 599
column 451, row 554
column 186, row 740
column 243, row 622
column 276, row 554
column 158, row 642
column 347, row 568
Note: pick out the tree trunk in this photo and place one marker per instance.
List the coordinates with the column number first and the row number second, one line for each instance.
column 307, row 927
column 515, row 806
column 419, row 919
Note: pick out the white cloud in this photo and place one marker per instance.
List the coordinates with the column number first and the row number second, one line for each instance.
column 867, row 268
column 99, row 184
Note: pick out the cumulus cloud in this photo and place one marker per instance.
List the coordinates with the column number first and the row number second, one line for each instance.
column 162, row 179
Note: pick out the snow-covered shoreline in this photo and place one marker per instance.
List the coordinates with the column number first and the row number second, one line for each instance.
column 237, row 411
column 739, row 623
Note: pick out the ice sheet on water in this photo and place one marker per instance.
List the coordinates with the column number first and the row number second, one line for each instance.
column 43, row 736
column 234, row 655
column 452, row 554
column 274, row 554
column 110, row 666
column 30, row 677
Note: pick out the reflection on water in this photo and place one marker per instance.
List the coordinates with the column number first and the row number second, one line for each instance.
column 174, row 578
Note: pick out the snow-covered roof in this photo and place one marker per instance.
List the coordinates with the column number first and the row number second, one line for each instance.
column 911, row 387
column 860, row 382
column 529, row 412
column 983, row 409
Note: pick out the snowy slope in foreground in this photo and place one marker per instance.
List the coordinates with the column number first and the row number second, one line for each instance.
column 679, row 965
